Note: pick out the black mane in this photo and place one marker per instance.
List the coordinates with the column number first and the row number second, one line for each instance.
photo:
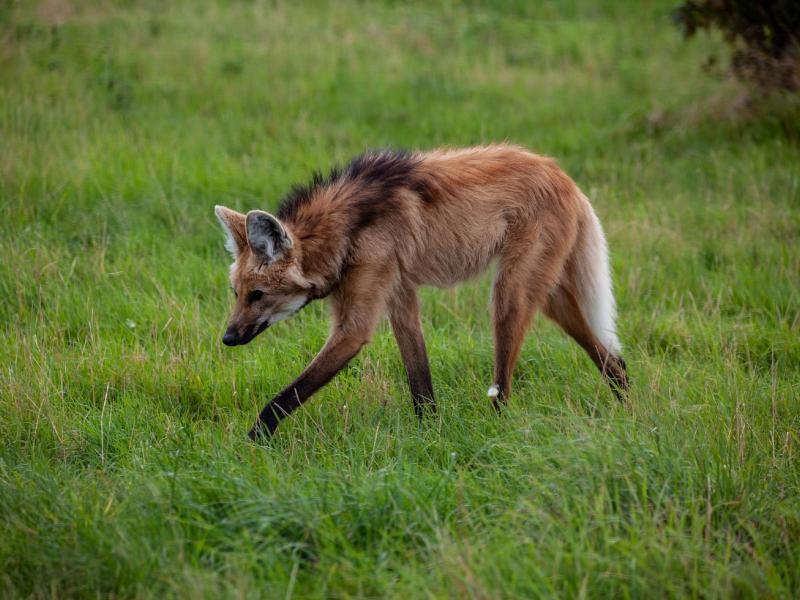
column 380, row 170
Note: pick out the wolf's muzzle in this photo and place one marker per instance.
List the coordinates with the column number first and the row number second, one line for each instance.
column 233, row 338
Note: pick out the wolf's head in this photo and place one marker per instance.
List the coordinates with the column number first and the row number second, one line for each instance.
column 265, row 275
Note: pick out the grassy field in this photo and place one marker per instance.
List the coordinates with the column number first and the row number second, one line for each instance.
column 124, row 466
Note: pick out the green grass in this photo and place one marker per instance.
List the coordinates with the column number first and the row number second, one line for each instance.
column 124, row 467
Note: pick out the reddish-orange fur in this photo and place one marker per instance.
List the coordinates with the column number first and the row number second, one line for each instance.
column 370, row 236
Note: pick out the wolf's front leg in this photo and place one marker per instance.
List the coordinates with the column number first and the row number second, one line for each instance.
column 357, row 305
column 407, row 329
column 339, row 350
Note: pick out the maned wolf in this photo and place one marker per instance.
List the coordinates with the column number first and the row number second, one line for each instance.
column 370, row 234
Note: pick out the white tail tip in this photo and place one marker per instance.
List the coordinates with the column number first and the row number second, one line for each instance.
column 494, row 391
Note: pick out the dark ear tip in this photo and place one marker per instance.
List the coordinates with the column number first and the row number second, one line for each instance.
column 257, row 214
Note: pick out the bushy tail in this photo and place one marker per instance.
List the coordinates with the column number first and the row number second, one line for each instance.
column 595, row 287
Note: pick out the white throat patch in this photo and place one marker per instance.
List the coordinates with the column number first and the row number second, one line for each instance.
column 288, row 309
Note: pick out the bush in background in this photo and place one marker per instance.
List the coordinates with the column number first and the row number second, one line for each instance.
column 764, row 34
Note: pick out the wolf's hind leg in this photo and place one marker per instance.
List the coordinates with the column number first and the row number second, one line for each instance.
column 520, row 288
column 407, row 329
column 563, row 308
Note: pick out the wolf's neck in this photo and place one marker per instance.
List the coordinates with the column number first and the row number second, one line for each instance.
column 325, row 246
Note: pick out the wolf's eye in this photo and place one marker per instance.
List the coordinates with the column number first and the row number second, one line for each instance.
column 235, row 295
column 255, row 295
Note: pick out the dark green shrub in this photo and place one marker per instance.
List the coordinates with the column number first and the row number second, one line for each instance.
column 765, row 35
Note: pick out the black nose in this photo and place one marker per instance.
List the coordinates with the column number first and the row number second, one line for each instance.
column 230, row 339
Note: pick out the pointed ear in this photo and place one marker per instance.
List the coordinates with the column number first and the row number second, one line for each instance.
column 234, row 225
column 266, row 236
